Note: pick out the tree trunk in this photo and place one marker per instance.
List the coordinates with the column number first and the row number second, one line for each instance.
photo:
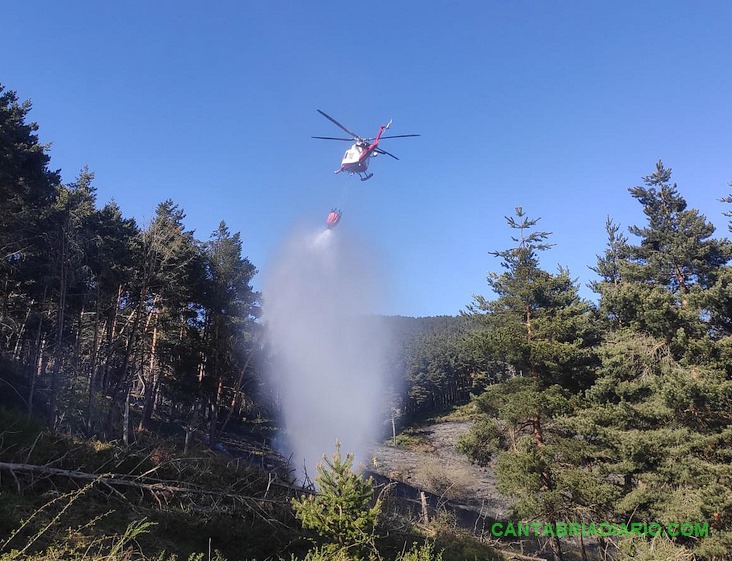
column 93, row 368
column 19, row 336
column 191, row 423
column 556, row 546
column 537, row 430
column 58, row 350
column 36, row 372
column 126, row 420
column 215, row 413
column 583, row 549
column 151, row 380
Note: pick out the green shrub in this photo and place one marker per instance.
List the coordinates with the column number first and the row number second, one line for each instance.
column 424, row 552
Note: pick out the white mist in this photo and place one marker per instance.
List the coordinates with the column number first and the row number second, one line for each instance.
column 329, row 349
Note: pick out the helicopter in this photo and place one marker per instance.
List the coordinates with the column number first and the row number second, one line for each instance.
column 356, row 158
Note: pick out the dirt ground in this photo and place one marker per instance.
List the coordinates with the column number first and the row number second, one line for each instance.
column 434, row 465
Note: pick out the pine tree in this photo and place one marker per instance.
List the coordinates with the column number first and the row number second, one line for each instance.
column 676, row 249
column 70, row 221
column 27, row 192
column 658, row 285
column 717, row 303
column 343, row 512
column 661, row 435
column 27, row 186
column 230, row 307
column 659, row 410
column 110, row 261
column 167, row 276
column 543, row 332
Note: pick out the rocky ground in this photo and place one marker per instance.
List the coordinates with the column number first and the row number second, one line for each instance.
column 433, row 464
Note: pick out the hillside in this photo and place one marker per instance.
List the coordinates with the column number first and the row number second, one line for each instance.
column 150, row 501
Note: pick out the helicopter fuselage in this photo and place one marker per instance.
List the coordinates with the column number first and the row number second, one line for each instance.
column 356, row 158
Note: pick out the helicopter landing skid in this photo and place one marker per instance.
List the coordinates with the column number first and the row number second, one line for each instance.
column 367, row 176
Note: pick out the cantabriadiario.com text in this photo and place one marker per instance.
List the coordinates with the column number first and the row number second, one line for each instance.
column 585, row 529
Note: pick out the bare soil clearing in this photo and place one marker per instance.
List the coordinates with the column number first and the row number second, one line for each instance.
column 435, row 465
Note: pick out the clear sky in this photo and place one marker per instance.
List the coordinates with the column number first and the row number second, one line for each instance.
column 558, row 107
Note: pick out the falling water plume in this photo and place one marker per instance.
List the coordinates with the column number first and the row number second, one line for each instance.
column 328, row 347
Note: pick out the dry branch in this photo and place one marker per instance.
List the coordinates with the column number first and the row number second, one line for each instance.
column 513, row 556
column 125, row 480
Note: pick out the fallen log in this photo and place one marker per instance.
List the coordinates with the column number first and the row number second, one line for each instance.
column 125, row 480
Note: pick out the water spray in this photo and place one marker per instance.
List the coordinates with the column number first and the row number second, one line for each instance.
column 328, row 346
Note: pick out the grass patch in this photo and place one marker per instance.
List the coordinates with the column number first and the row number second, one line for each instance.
column 465, row 412
column 447, row 480
column 411, row 438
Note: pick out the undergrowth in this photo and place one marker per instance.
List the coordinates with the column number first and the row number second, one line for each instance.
column 226, row 510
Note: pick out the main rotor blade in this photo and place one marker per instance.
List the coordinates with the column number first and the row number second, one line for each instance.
column 336, row 123
column 393, row 136
column 380, row 151
column 333, row 138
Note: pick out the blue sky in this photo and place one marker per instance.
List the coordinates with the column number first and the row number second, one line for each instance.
column 558, row 107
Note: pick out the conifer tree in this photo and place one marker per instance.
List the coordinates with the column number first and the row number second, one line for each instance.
column 168, row 272
column 658, row 285
column 27, row 192
column 27, row 185
column 718, row 304
column 110, row 260
column 541, row 329
column 676, row 249
column 230, row 306
column 343, row 511
column 70, row 221
column 659, row 410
